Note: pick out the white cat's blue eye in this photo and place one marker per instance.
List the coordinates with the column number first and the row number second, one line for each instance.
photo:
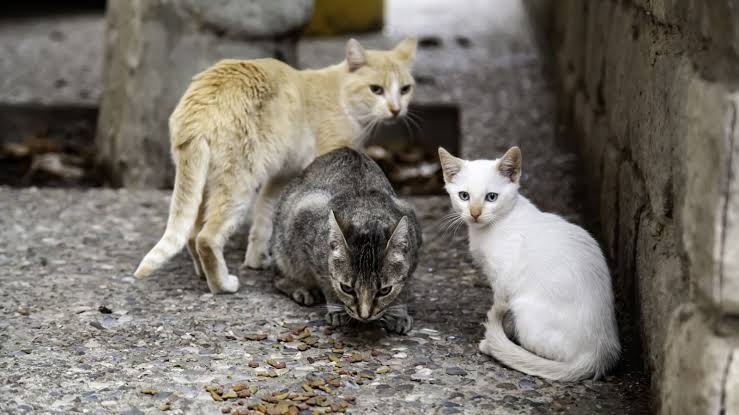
column 464, row 196
column 491, row 197
column 377, row 89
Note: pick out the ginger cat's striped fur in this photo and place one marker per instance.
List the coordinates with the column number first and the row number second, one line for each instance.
column 246, row 124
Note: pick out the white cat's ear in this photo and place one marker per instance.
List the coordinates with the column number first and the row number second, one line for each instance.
column 510, row 164
column 406, row 49
column 450, row 165
column 336, row 240
column 356, row 57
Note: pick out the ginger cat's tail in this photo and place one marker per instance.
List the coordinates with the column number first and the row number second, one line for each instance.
column 192, row 169
column 499, row 346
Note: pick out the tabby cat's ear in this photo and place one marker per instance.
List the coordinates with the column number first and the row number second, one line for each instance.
column 399, row 243
column 336, row 240
column 356, row 57
column 510, row 164
column 406, row 50
column 450, row 165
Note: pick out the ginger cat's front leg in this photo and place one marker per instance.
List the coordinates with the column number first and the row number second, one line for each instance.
column 257, row 251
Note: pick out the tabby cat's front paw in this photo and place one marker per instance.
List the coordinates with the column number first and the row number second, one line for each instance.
column 337, row 318
column 257, row 257
column 398, row 324
column 303, row 297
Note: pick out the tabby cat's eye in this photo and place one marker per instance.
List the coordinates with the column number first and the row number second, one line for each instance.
column 464, row 195
column 405, row 89
column 347, row 289
column 376, row 89
column 491, row 197
column 384, row 291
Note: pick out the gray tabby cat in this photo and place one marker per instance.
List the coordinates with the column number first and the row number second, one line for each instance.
column 342, row 234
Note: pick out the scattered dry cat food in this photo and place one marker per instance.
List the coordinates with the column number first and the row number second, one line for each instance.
column 382, row 370
column 149, row 391
column 166, row 406
column 320, row 392
column 256, row 336
column 303, row 334
column 355, row 357
column 299, row 329
column 276, row 364
column 229, row 395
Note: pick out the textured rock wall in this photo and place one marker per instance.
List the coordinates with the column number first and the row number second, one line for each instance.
column 154, row 47
column 651, row 91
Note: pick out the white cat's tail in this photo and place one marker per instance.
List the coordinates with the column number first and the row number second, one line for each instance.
column 192, row 170
column 499, row 346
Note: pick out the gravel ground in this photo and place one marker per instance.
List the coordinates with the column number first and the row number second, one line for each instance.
column 78, row 333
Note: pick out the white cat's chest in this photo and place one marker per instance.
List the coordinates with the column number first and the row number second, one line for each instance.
column 498, row 253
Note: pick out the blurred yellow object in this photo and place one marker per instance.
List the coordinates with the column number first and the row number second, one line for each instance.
column 334, row 17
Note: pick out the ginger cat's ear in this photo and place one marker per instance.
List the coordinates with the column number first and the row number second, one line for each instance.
column 406, row 50
column 510, row 164
column 450, row 165
column 356, row 57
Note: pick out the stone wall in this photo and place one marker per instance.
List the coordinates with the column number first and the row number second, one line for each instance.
column 650, row 89
column 154, row 47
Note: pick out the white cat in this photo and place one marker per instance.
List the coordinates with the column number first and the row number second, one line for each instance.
column 548, row 273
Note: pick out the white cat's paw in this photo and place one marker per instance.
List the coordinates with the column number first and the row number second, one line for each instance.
column 257, row 257
column 485, row 348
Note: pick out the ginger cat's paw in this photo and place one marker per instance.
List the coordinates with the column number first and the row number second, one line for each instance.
column 228, row 285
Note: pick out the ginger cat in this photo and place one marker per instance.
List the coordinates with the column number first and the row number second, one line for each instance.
column 245, row 124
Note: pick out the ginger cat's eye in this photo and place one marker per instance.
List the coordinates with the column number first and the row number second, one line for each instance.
column 491, row 197
column 405, row 89
column 384, row 291
column 347, row 289
column 376, row 89
column 464, row 196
